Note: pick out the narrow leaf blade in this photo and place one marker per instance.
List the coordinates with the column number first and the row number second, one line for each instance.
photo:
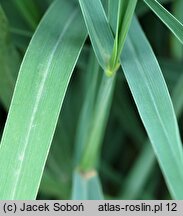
column 167, row 18
column 98, row 29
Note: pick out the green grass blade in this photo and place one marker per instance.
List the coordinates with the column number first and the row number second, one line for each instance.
column 99, row 31
column 86, row 187
column 37, row 100
column 176, row 49
column 154, row 105
column 143, row 9
column 124, row 15
column 9, row 61
column 59, row 162
column 167, row 18
column 112, row 13
column 135, row 180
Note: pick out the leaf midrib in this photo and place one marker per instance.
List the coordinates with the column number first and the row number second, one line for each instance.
column 39, row 95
